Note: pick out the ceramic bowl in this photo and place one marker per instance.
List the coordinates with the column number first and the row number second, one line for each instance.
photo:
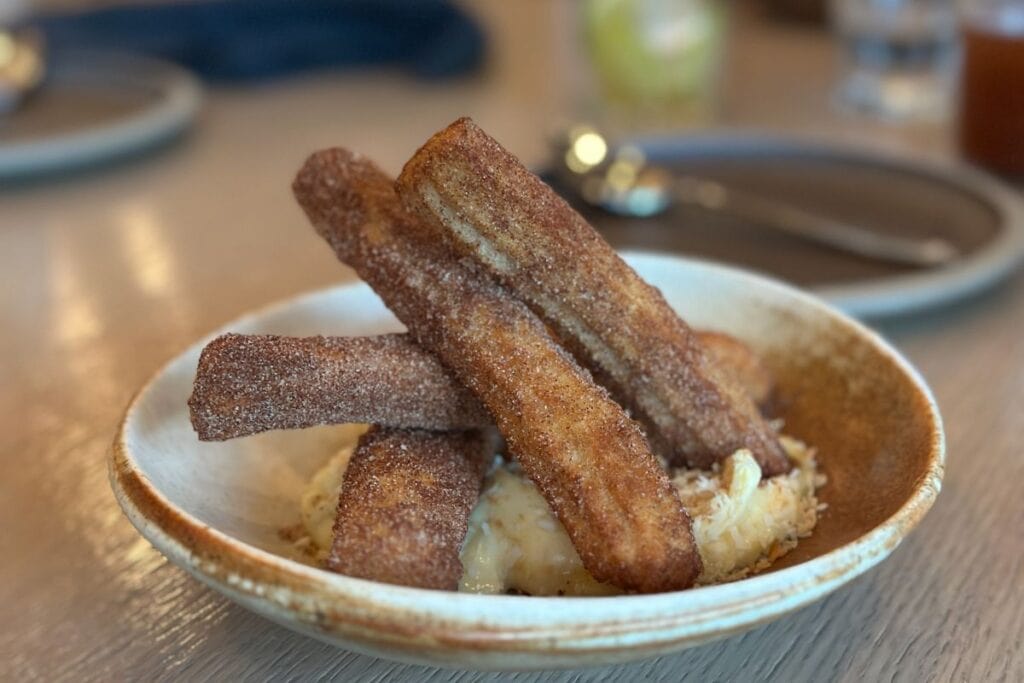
column 217, row 509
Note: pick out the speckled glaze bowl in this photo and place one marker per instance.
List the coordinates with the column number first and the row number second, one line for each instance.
column 217, row 510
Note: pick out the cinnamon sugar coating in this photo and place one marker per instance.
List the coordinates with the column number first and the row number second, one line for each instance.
column 589, row 460
column 404, row 506
column 469, row 191
column 247, row 384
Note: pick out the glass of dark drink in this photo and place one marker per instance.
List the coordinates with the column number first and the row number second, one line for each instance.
column 991, row 120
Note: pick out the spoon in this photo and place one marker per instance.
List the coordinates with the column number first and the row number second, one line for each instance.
column 622, row 182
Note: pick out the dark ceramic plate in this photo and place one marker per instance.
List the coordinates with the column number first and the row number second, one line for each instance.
column 979, row 214
column 93, row 108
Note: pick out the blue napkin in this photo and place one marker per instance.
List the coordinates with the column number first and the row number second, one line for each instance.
column 251, row 40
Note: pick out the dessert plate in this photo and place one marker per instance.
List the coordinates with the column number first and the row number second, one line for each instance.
column 217, row 509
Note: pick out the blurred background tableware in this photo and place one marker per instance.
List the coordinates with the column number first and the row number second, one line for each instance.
column 895, row 196
column 991, row 117
column 96, row 107
column 623, row 181
column 657, row 62
column 22, row 66
column 22, row 61
column 125, row 79
column 900, row 57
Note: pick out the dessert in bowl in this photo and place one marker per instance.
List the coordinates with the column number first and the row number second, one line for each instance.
column 600, row 481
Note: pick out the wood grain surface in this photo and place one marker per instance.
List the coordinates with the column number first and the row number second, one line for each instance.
column 108, row 275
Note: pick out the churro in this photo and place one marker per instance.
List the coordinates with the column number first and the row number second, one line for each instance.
column 589, row 460
column 742, row 365
column 247, row 384
column 467, row 189
column 404, row 506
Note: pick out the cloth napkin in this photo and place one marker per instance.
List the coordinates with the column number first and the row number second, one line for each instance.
column 253, row 40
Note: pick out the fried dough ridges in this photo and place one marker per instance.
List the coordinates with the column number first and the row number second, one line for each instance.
column 480, row 199
column 247, row 384
column 405, row 503
column 589, row 460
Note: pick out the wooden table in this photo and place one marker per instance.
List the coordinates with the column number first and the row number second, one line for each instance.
column 106, row 276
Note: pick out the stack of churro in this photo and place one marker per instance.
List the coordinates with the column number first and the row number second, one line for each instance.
column 522, row 322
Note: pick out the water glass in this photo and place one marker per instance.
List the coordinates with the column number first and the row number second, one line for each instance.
column 900, row 56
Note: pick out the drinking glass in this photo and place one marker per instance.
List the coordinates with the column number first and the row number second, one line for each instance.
column 991, row 121
column 656, row 60
column 900, row 56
